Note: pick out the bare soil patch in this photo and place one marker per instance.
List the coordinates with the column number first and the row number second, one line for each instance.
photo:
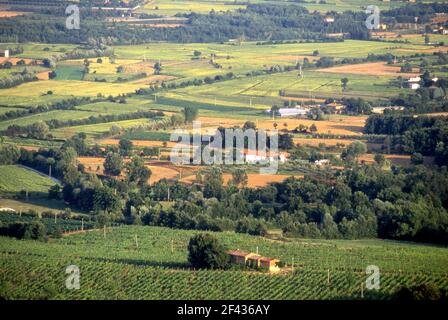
column 15, row 60
column 157, row 78
column 9, row 14
column 45, row 75
column 373, row 68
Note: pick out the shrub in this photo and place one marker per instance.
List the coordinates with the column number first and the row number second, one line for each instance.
column 204, row 251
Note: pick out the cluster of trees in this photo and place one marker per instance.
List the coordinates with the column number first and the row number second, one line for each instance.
column 206, row 252
column 282, row 21
column 362, row 202
column 13, row 80
column 34, row 230
column 407, row 14
column 421, row 135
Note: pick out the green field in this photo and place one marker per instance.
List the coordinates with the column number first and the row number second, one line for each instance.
column 41, row 50
column 177, row 60
column 14, row 179
column 67, row 72
column 172, row 7
column 153, row 136
column 96, row 129
column 80, row 112
column 114, row 268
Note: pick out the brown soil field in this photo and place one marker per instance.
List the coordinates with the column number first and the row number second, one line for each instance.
column 158, row 173
column 139, row 143
column 336, row 125
column 29, row 148
column 159, row 169
column 373, row 68
column 440, row 19
column 225, row 122
column 327, row 142
column 92, row 164
column 157, row 78
column 163, row 25
column 398, row 159
column 255, row 180
column 384, row 34
column 8, row 14
column 43, row 75
column 429, row 50
column 301, row 99
column 15, row 60
column 138, row 67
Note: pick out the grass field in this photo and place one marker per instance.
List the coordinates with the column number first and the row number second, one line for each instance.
column 113, row 268
column 14, row 179
column 172, row 7
column 96, row 129
column 69, row 72
column 41, row 50
column 38, row 205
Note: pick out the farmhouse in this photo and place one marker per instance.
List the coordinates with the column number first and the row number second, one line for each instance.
column 4, row 53
column 380, row 110
column 414, row 83
column 336, row 107
column 259, row 157
column 253, row 260
column 322, row 162
column 290, row 112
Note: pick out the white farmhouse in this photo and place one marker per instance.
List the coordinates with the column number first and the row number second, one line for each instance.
column 254, row 157
column 4, row 53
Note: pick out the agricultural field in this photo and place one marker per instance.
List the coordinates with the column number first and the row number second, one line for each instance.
column 113, row 267
column 38, row 205
column 313, row 84
column 95, row 130
column 68, row 88
column 14, row 179
column 172, row 7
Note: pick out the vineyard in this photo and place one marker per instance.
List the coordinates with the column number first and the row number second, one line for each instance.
column 64, row 224
column 131, row 262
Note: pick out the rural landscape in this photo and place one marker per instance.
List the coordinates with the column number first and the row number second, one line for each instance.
column 95, row 96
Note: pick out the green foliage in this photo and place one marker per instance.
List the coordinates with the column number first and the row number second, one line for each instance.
column 423, row 292
column 9, row 154
column 137, row 172
column 113, row 164
column 205, row 251
column 190, row 113
column 125, row 147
